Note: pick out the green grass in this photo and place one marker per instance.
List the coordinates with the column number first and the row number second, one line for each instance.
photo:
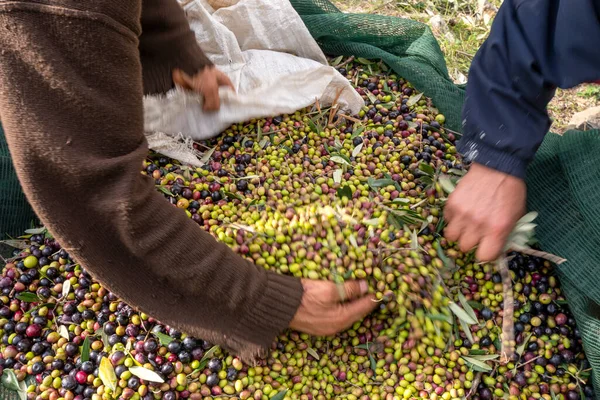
column 467, row 31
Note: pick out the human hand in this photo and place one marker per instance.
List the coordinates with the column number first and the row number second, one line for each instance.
column 206, row 82
column 483, row 210
column 323, row 311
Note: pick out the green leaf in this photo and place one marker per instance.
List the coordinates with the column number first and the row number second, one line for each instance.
column 414, row 240
column 207, row 356
column 461, row 314
column 475, row 304
column 336, row 61
column 66, row 288
column 466, row 330
column 146, row 374
column 527, row 218
column 353, row 242
column 232, row 195
column 412, row 124
column 372, row 97
column 339, row 160
column 337, row 143
column 446, row 183
column 28, row 297
column 497, row 343
column 386, row 88
column 414, row 99
column 280, row 395
column 263, row 142
column 485, row 357
column 364, row 61
column 344, row 191
column 477, row 352
column 477, row 365
column 337, row 175
column 440, row 317
column 165, row 190
column 553, row 395
column 373, row 362
column 313, row 353
column 287, row 148
column 314, row 127
column 379, row 183
column 85, row 349
column 107, row 374
column 466, row 306
column 522, row 346
column 164, row 339
column 207, row 154
column 357, row 150
column 9, row 380
column 428, row 169
column 357, row 131
column 37, row 231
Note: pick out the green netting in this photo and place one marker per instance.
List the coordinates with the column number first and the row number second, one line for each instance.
column 562, row 179
column 15, row 213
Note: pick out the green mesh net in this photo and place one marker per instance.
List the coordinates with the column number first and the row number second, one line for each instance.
column 562, row 179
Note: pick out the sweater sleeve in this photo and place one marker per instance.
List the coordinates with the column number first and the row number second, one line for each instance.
column 73, row 121
column 167, row 42
column 534, row 47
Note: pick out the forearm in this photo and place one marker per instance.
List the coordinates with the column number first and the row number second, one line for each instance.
column 167, row 42
column 74, row 125
column 534, row 46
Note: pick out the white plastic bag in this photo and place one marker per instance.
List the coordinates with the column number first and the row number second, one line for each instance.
column 271, row 58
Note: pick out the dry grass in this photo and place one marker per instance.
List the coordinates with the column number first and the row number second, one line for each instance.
column 467, row 28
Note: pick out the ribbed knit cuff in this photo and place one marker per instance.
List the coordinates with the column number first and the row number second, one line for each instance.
column 158, row 73
column 274, row 310
column 480, row 153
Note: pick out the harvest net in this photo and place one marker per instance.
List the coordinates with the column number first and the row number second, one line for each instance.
column 561, row 180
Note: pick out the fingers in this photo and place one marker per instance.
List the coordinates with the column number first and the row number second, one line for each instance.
column 354, row 290
column 355, row 311
column 210, row 90
column 223, row 80
column 492, row 244
column 182, row 79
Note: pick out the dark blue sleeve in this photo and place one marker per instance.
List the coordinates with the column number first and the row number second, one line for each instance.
column 534, row 47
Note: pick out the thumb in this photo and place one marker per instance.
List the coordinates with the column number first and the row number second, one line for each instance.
column 354, row 290
column 223, row 80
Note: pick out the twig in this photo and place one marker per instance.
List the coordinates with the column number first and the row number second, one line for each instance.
column 541, row 254
column 358, row 121
column 348, row 61
column 475, row 385
column 508, row 324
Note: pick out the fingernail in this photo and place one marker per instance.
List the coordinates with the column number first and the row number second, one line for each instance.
column 364, row 287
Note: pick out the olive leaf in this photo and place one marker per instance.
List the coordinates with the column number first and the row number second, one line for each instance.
column 386, row 88
column 344, row 192
column 372, row 97
column 337, row 143
column 146, row 374
column 440, row 317
column 336, row 61
column 64, row 332
column 466, row 330
column 107, row 374
column 428, row 169
column 414, row 99
column 337, row 175
column 66, row 288
column 446, row 183
column 352, row 240
column 485, row 357
column 9, row 380
column 414, row 240
column 263, row 142
column 206, row 356
column 522, row 346
column 477, row 352
column 476, row 305
column 357, row 131
column 232, row 195
column 164, row 339
column 28, row 297
column 165, row 190
column 553, row 395
column 339, row 160
column 412, row 124
column 313, row 353
column 477, row 365
column 378, row 183
column 280, row 395
column 457, row 172
column 287, row 148
column 357, row 150
column 373, row 362
column 85, row 349
column 364, row 61
column 22, row 392
column 314, row 127
column 461, row 314
column 37, row 231
column 466, row 306
column 207, row 155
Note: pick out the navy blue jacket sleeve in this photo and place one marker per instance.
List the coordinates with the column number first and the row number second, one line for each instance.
column 534, row 47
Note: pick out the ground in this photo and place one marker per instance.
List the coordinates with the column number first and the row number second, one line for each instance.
column 467, row 28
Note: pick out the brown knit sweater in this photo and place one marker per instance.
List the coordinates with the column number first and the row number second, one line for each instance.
column 72, row 77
